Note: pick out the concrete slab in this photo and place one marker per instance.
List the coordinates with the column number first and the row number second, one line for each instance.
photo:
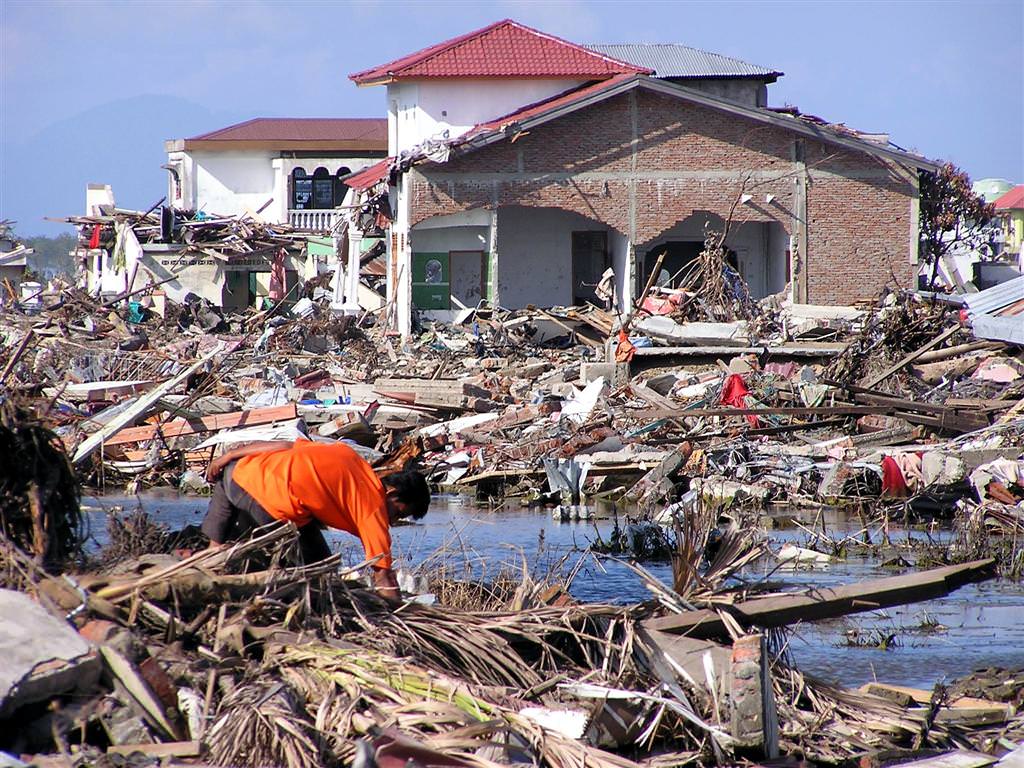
column 43, row 655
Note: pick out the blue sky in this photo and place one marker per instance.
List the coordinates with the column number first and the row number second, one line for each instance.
column 90, row 90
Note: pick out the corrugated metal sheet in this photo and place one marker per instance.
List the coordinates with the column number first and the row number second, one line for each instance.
column 991, row 300
column 984, row 310
column 1008, row 329
column 673, row 60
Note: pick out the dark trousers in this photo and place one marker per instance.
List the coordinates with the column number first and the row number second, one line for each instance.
column 233, row 513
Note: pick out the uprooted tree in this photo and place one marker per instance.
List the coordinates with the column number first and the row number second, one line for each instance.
column 952, row 216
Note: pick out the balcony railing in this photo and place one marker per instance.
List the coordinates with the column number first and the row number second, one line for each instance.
column 314, row 220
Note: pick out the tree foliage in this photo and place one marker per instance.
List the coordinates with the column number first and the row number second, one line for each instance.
column 52, row 255
column 951, row 214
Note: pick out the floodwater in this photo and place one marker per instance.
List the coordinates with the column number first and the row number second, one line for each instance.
column 978, row 626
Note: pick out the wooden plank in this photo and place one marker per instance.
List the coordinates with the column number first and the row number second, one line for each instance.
column 214, row 423
column 807, row 349
column 596, row 470
column 819, row 604
column 649, row 483
column 168, row 749
column 875, row 381
column 125, row 672
column 572, row 331
column 139, row 408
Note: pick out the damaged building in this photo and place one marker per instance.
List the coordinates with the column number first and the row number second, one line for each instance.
column 289, row 170
column 523, row 167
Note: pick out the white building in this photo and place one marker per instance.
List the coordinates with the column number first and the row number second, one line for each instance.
column 285, row 169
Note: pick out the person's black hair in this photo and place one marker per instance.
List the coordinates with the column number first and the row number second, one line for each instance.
column 410, row 487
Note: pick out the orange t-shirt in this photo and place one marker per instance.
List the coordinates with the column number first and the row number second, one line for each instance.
column 330, row 483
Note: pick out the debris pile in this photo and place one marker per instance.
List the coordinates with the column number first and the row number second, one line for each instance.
column 694, row 418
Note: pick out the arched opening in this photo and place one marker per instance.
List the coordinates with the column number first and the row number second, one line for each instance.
column 540, row 256
column 557, row 257
column 340, row 187
column 758, row 251
column 323, row 189
column 302, row 189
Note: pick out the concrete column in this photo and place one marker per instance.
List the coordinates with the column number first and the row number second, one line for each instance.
column 798, row 239
column 631, row 235
column 492, row 237
column 400, row 261
column 753, row 719
column 278, row 210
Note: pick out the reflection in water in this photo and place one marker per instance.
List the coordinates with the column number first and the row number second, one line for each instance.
column 980, row 625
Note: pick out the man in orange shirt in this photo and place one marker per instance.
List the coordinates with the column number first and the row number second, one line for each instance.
column 313, row 485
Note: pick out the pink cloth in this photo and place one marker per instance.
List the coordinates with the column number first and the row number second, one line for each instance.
column 277, row 277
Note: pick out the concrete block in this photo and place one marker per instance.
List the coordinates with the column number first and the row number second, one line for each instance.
column 43, row 655
column 753, row 721
column 616, row 374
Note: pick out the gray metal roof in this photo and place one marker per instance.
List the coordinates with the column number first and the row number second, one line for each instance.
column 993, row 299
column 673, row 60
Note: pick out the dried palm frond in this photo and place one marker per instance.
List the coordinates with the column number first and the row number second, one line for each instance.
column 264, row 724
column 446, row 714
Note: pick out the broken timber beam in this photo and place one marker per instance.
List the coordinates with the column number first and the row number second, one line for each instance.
column 213, row 423
column 876, row 380
column 781, row 610
column 139, row 408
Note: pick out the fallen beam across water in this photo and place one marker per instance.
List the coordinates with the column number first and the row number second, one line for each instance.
column 813, row 605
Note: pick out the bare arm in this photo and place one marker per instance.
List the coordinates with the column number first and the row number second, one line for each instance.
column 386, row 585
column 265, row 446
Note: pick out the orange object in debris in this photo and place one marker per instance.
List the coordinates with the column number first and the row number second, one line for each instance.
column 625, row 350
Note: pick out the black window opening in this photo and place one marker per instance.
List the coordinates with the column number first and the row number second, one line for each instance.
column 318, row 191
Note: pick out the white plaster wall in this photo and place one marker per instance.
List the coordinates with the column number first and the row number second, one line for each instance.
column 229, row 183
column 425, row 109
column 535, row 255
column 618, row 248
column 750, row 241
column 778, row 244
column 446, row 239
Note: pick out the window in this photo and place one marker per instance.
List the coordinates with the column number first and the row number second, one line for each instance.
column 323, row 189
column 302, row 189
column 319, row 191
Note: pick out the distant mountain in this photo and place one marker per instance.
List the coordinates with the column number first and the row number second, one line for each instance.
column 120, row 143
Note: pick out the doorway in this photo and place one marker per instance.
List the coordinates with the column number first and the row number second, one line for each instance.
column 589, row 261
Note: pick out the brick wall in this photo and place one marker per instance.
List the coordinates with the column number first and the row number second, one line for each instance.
column 690, row 158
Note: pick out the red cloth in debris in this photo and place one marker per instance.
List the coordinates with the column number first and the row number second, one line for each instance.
column 893, row 483
column 625, row 350
column 94, row 240
column 663, row 306
column 735, row 393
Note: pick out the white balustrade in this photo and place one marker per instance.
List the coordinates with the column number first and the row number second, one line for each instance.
column 314, row 219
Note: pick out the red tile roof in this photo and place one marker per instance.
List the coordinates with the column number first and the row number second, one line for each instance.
column 370, row 175
column 1014, row 199
column 503, row 49
column 366, row 132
